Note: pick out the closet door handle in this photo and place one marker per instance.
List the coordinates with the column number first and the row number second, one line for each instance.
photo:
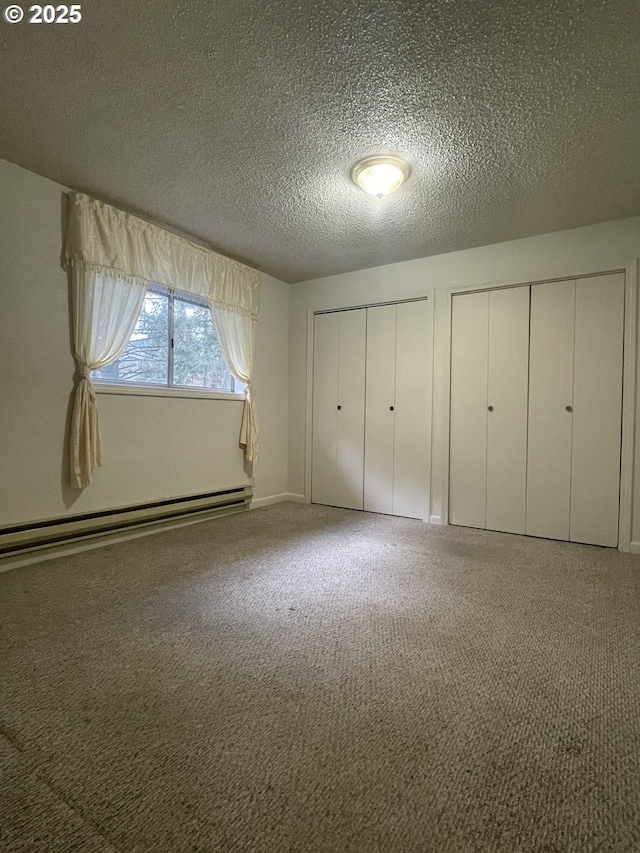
column 490, row 408
column 569, row 408
column 390, row 408
column 339, row 407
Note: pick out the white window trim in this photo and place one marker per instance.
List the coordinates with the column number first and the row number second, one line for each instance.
column 165, row 391
column 139, row 389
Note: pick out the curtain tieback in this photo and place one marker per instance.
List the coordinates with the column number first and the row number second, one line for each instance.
column 83, row 372
column 248, row 390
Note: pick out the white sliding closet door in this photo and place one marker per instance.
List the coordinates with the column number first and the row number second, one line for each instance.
column 536, row 409
column 338, row 408
column 380, row 409
column 468, row 431
column 370, row 409
column 550, row 409
column 395, row 457
column 326, row 341
column 507, row 402
column 410, row 467
column 597, row 410
column 351, row 373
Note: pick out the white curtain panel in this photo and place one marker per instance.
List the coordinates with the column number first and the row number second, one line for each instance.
column 113, row 257
column 236, row 333
column 105, row 306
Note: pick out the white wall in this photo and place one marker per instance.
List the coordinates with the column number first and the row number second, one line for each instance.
column 153, row 447
column 635, row 525
column 272, row 389
column 598, row 248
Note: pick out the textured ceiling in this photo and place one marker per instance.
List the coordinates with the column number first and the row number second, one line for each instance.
column 238, row 122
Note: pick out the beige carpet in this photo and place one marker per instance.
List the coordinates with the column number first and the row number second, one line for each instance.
column 313, row 679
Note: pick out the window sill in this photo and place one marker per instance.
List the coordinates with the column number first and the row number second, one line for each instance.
column 162, row 391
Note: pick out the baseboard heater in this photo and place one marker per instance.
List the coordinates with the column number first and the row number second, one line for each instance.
column 23, row 538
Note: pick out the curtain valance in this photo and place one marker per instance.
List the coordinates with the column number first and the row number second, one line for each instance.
column 104, row 238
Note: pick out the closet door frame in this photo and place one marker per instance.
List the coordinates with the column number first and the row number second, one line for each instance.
column 427, row 297
column 630, row 377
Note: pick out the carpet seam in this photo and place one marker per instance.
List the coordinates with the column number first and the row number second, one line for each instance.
column 47, row 784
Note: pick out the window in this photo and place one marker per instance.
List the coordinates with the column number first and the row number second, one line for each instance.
column 174, row 345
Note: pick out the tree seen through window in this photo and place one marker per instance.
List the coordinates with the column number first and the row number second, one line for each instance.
column 196, row 359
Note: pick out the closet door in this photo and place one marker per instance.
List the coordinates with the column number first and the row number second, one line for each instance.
column 395, row 468
column 380, row 409
column 597, row 410
column 507, row 403
column 338, row 408
column 351, row 374
column 468, row 423
column 550, row 409
column 324, row 453
column 411, row 410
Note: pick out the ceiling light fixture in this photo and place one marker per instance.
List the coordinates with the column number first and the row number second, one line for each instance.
column 380, row 175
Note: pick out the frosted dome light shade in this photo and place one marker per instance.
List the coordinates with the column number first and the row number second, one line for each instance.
column 380, row 175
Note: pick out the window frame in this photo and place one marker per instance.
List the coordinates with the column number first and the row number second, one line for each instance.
column 154, row 389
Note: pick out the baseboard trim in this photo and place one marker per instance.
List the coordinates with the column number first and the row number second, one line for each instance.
column 256, row 503
column 634, row 547
column 435, row 519
column 99, row 540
